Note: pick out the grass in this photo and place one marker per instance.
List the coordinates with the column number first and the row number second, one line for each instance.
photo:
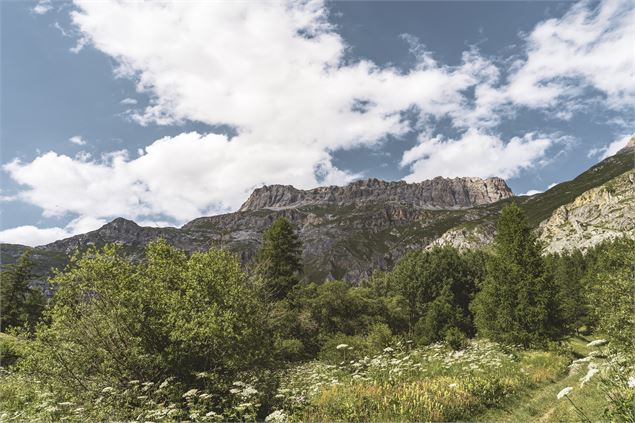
column 422, row 384
column 483, row 382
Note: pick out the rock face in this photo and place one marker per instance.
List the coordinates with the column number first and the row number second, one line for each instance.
column 437, row 193
column 466, row 237
column 601, row 213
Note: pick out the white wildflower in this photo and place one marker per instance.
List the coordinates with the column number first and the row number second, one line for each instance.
column 589, row 375
column 276, row 416
column 249, row 390
column 107, row 389
column 190, row 393
column 388, row 350
column 564, row 392
column 341, row 346
column 452, row 385
column 210, row 414
column 631, row 382
column 597, row 342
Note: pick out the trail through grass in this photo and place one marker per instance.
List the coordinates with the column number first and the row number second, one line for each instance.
column 541, row 405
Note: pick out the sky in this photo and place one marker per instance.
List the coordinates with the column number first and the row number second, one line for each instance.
column 163, row 112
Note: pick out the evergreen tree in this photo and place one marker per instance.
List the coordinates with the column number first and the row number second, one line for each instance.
column 19, row 304
column 516, row 304
column 279, row 260
column 567, row 271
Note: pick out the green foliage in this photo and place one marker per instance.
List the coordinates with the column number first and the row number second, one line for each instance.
column 19, row 304
column 279, row 259
column 437, row 287
column 610, row 288
column 171, row 316
column 566, row 272
column 516, row 302
column 313, row 314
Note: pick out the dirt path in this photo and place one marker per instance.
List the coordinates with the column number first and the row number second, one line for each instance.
column 537, row 405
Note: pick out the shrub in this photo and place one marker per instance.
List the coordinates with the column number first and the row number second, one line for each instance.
column 171, row 316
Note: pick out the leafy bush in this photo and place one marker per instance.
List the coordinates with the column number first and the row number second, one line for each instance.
column 169, row 317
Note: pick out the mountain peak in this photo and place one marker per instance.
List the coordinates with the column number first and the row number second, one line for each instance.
column 120, row 223
column 437, row 193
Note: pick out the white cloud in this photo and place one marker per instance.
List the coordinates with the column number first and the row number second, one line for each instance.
column 278, row 74
column 476, row 153
column 128, row 101
column 589, row 47
column 42, row 7
column 610, row 149
column 77, row 140
column 532, row 192
column 181, row 177
column 34, row 236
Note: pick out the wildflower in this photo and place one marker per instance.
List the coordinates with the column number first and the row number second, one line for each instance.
column 452, row 385
column 631, row 382
column 234, row 390
column 210, row 414
column 564, row 392
column 341, row 346
column 190, row 393
column 134, row 382
column 597, row 343
column 589, row 375
column 248, row 391
column 388, row 350
column 107, row 389
column 276, row 416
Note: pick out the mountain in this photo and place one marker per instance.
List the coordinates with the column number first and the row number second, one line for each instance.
column 437, row 193
column 349, row 231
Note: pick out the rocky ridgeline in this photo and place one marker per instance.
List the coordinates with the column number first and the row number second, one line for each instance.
column 437, row 193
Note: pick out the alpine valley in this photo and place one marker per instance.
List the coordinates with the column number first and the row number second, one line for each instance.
column 348, row 232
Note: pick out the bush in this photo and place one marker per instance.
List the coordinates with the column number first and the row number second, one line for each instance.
column 10, row 350
column 169, row 317
column 455, row 339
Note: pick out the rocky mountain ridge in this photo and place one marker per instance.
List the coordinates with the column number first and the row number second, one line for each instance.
column 437, row 193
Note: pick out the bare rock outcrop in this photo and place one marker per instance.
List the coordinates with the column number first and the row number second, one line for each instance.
column 601, row 213
column 434, row 194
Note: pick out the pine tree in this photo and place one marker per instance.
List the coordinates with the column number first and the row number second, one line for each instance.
column 19, row 304
column 516, row 303
column 279, row 260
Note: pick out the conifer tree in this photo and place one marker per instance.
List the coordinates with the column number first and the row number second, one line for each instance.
column 19, row 303
column 279, row 260
column 516, row 302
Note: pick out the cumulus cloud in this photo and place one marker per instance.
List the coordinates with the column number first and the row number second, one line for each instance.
column 475, row 153
column 532, row 192
column 33, row 236
column 128, row 101
column 610, row 149
column 42, row 7
column 278, row 74
column 180, row 177
column 77, row 140
column 590, row 47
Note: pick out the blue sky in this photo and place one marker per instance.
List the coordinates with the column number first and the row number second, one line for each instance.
column 165, row 112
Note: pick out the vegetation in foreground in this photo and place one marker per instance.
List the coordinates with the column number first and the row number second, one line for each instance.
column 179, row 337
